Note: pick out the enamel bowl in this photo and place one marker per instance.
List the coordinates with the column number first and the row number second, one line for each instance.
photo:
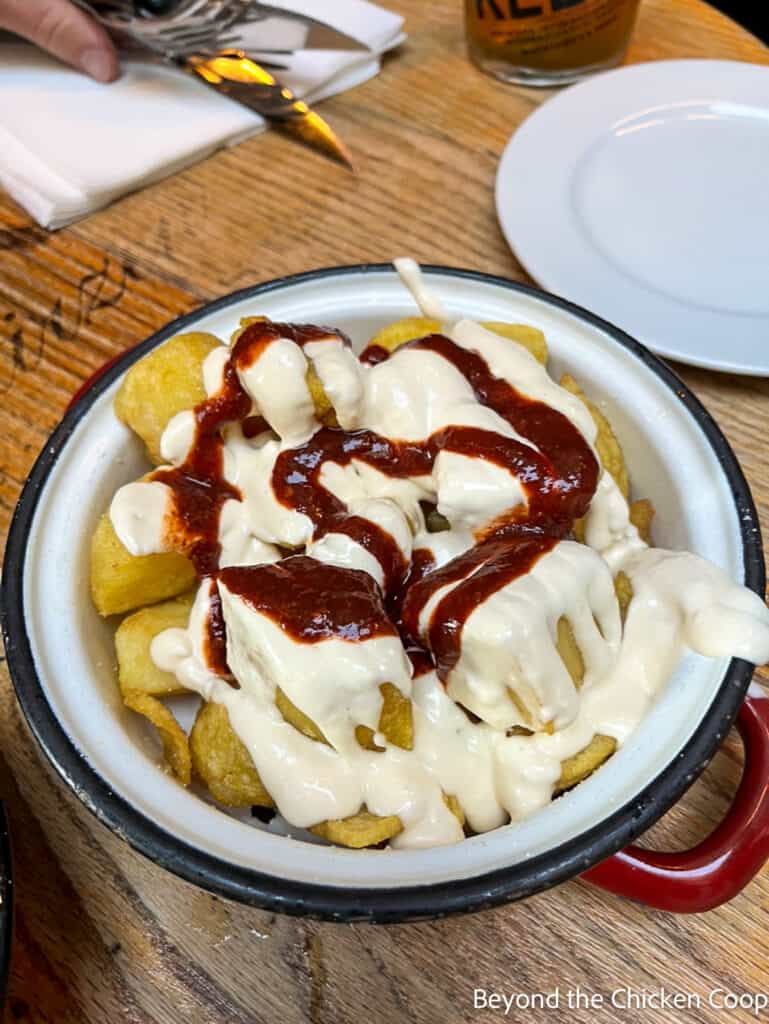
column 6, row 904
column 62, row 659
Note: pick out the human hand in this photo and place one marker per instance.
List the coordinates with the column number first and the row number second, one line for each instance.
column 65, row 31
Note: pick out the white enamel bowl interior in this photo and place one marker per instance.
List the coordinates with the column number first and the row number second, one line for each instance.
column 670, row 461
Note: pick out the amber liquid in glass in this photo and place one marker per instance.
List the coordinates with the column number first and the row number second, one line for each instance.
column 548, row 42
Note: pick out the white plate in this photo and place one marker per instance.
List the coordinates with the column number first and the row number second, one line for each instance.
column 643, row 194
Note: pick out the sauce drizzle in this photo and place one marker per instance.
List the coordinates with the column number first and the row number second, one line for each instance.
column 559, row 481
column 198, row 486
column 255, row 337
column 557, row 470
column 313, row 601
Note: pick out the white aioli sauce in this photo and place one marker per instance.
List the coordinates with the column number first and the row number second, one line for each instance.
column 508, row 642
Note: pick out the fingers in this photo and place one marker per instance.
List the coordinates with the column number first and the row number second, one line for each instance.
column 65, row 31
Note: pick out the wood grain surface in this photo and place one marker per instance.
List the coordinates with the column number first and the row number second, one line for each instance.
column 102, row 935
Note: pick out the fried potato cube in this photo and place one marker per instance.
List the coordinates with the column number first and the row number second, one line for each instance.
column 121, row 581
column 642, row 516
column 365, row 737
column 134, row 636
column 222, row 761
column 401, row 331
column 606, row 443
column 245, row 321
column 518, row 730
column 163, row 383
column 530, row 337
column 176, row 749
column 396, row 721
column 361, row 830
column 300, row 721
column 577, row 768
column 365, row 829
column 324, row 410
column 579, row 529
column 571, row 656
column 533, row 722
column 623, row 588
column 569, row 651
column 435, row 522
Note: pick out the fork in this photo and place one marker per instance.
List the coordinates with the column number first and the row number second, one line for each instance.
column 190, row 26
column 199, row 24
column 201, row 36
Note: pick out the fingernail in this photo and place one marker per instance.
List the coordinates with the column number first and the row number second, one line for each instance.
column 96, row 63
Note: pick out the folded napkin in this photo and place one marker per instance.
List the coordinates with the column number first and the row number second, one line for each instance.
column 69, row 146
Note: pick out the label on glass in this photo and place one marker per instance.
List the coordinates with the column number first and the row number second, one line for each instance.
column 551, row 34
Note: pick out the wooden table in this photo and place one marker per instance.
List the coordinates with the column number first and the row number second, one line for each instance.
column 101, row 934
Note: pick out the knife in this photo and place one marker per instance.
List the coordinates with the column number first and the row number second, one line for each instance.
column 231, row 71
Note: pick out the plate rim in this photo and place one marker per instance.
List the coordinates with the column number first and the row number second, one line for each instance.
column 539, row 272
column 386, row 904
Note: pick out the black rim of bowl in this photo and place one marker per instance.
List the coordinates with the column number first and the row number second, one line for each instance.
column 6, row 904
column 392, row 904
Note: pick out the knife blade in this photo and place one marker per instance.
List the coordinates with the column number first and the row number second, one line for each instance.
column 234, row 74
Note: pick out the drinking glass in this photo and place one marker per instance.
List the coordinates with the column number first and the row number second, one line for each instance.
column 548, row 42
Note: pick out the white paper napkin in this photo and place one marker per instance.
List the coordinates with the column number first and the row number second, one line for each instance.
column 69, row 146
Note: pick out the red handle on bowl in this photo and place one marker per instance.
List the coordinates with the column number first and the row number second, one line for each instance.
column 88, row 384
column 720, row 866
